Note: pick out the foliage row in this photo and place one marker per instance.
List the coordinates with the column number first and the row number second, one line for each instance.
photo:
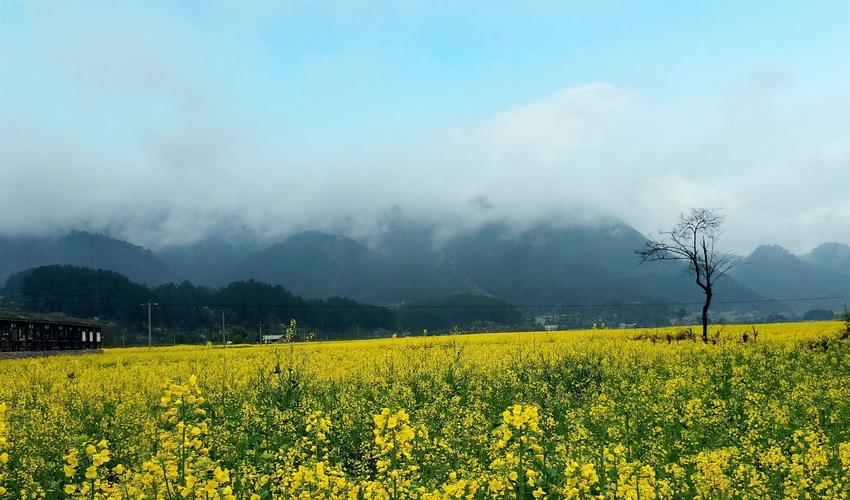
column 186, row 308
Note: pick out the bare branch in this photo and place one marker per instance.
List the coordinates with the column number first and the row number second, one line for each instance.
column 693, row 240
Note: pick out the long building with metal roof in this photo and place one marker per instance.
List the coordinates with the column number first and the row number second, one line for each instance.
column 22, row 332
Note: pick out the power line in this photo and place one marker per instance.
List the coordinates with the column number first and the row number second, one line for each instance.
column 445, row 306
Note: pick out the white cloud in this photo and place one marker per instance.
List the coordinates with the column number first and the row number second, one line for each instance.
column 574, row 120
column 124, row 122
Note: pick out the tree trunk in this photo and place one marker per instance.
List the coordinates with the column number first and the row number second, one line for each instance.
column 705, row 316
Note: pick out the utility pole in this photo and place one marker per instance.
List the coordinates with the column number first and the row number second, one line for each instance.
column 261, row 332
column 223, row 331
column 149, row 304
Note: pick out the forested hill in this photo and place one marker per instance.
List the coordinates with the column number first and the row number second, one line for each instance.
column 95, row 293
column 189, row 313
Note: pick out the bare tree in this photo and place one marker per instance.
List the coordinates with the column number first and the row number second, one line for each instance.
column 693, row 241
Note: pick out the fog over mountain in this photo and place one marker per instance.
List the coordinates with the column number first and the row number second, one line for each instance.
column 166, row 126
column 407, row 260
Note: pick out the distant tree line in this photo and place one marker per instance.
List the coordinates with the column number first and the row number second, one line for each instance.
column 189, row 313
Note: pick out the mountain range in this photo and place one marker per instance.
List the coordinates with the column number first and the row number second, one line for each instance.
column 543, row 264
column 775, row 273
column 83, row 249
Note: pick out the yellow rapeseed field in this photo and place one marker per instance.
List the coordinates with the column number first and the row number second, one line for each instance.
column 758, row 412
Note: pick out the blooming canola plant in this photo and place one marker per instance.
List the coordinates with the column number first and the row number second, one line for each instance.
column 759, row 411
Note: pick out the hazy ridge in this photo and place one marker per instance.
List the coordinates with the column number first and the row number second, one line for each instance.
column 543, row 264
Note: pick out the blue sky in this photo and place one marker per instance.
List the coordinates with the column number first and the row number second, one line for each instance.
column 263, row 108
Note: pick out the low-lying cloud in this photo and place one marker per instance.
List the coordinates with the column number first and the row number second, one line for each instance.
column 136, row 132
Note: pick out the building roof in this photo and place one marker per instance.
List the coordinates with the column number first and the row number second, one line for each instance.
column 45, row 318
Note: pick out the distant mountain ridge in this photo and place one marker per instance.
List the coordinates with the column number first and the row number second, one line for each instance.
column 833, row 257
column 776, row 273
column 541, row 265
column 208, row 262
column 81, row 248
column 317, row 264
column 407, row 262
